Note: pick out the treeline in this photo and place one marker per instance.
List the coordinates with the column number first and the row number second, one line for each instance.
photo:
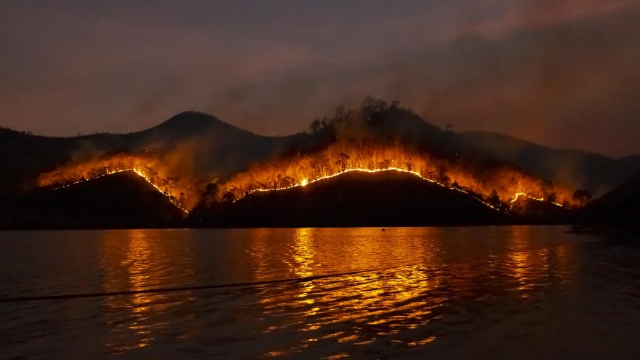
column 379, row 136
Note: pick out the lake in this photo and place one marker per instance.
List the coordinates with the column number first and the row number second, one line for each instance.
column 445, row 293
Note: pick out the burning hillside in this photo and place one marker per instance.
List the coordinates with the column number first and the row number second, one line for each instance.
column 120, row 200
column 496, row 186
column 377, row 137
column 183, row 191
column 381, row 136
column 355, row 198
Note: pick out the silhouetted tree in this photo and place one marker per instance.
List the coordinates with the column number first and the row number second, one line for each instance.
column 409, row 166
column 442, row 174
column 547, row 189
column 342, row 160
column 287, row 181
column 371, row 106
column 341, row 113
column 210, row 195
column 583, row 196
column 315, row 126
column 228, row 197
column 493, row 198
column 323, row 163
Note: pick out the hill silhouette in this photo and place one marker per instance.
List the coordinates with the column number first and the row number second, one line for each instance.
column 211, row 146
column 388, row 198
column 122, row 200
column 617, row 210
column 581, row 169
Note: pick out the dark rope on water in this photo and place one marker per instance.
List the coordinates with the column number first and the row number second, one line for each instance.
column 186, row 288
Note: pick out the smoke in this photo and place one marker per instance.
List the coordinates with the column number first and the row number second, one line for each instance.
column 562, row 73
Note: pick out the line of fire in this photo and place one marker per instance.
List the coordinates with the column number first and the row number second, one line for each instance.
column 374, row 138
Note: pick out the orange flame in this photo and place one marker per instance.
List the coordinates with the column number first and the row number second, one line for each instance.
column 182, row 191
column 508, row 183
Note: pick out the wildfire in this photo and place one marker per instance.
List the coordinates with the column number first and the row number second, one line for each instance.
column 151, row 170
column 492, row 187
column 135, row 171
column 518, row 195
column 498, row 187
column 305, row 182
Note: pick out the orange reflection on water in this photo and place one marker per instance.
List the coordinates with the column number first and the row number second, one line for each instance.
column 384, row 301
column 303, row 253
column 134, row 260
column 412, row 278
column 529, row 265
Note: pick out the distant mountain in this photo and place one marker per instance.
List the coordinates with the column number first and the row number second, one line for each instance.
column 389, row 198
column 122, row 200
column 576, row 168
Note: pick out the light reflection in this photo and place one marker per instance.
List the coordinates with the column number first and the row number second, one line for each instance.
column 530, row 264
column 397, row 288
column 303, row 253
column 134, row 260
column 417, row 279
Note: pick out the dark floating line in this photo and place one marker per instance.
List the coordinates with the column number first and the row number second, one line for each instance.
column 178, row 289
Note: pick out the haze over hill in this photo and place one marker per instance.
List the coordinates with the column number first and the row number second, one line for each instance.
column 579, row 168
column 201, row 143
column 185, row 155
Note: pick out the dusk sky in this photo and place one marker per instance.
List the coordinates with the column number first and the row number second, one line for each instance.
column 562, row 73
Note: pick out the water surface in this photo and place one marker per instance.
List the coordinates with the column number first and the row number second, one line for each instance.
column 477, row 292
